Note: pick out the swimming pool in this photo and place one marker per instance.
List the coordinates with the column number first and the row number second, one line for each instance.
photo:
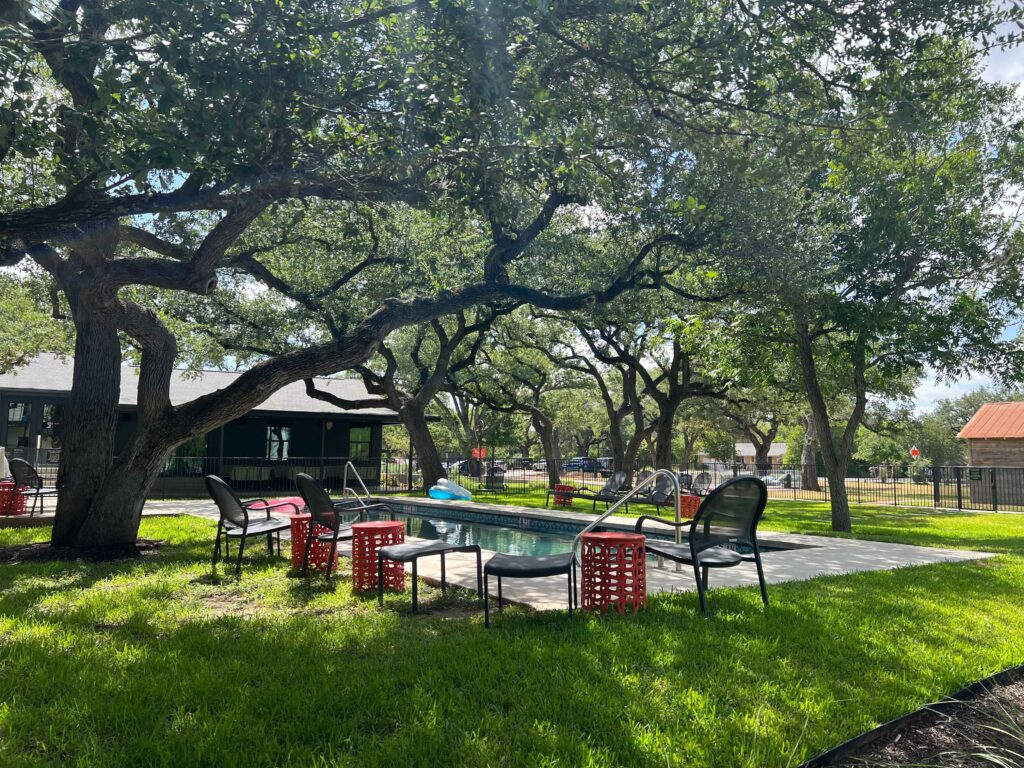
column 497, row 538
column 513, row 535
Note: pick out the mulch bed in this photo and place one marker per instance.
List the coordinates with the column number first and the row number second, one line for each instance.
column 984, row 731
column 42, row 552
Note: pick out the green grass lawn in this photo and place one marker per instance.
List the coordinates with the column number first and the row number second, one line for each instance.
column 159, row 662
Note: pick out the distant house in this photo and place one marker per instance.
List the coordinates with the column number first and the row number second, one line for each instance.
column 288, row 433
column 745, row 454
column 995, row 438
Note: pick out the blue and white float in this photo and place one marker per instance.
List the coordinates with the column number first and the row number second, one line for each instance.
column 449, row 491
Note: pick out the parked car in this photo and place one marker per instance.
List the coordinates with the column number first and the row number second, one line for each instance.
column 518, row 464
column 604, row 465
column 540, row 466
column 475, row 468
column 581, row 464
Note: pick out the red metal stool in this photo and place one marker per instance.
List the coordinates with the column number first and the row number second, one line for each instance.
column 320, row 551
column 8, row 490
column 563, row 499
column 614, row 571
column 367, row 538
column 688, row 505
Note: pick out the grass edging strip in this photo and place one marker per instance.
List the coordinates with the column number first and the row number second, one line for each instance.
column 967, row 693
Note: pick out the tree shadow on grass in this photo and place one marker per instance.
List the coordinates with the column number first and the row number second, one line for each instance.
column 356, row 684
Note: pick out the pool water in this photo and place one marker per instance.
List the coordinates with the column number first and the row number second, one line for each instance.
column 496, row 538
column 500, row 538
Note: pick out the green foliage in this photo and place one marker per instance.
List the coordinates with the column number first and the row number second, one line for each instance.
column 28, row 323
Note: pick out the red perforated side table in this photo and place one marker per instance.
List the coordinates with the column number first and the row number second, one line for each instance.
column 7, row 490
column 319, row 551
column 689, row 504
column 563, row 499
column 614, row 571
column 367, row 538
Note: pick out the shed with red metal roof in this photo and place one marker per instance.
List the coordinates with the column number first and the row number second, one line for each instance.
column 995, row 447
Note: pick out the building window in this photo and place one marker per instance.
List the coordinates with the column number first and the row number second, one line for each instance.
column 53, row 418
column 359, row 443
column 18, row 418
column 277, row 443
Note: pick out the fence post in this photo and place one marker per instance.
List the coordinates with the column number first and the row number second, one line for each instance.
column 892, row 471
column 408, row 472
column 958, row 474
column 995, row 491
column 936, row 491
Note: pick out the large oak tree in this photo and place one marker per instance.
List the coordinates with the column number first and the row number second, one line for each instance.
column 139, row 141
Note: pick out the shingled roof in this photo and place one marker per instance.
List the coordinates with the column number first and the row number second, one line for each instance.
column 996, row 421
column 49, row 374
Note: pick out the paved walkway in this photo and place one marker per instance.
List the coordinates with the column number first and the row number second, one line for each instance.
column 813, row 556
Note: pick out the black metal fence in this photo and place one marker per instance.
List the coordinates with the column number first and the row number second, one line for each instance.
column 957, row 487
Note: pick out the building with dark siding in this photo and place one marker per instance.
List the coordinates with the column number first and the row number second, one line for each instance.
column 288, row 433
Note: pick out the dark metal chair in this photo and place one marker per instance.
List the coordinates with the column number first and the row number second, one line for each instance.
column 327, row 512
column 663, row 494
column 28, row 483
column 528, row 567
column 701, row 483
column 235, row 520
column 727, row 519
column 685, row 481
column 411, row 552
column 609, row 493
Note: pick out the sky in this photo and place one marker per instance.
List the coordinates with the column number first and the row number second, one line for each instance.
column 1007, row 67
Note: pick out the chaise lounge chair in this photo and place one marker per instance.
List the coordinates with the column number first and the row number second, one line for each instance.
column 609, row 494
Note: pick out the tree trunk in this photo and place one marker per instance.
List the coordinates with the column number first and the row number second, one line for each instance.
column 761, row 459
column 429, row 460
column 90, row 423
column 835, row 464
column 809, row 457
column 836, row 476
column 663, row 441
column 618, row 445
column 549, row 443
column 116, row 511
column 689, row 447
column 632, row 449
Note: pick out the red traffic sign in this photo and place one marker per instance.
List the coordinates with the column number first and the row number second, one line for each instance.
column 479, row 453
column 914, row 453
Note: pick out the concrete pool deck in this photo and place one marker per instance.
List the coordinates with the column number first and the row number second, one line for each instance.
column 812, row 556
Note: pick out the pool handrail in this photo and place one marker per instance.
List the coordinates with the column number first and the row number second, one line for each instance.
column 344, row 484
column 629, row 495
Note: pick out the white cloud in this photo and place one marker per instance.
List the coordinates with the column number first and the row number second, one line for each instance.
column 931, row 390
column 1006, row 66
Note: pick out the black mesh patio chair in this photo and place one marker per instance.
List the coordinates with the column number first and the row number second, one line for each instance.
column 235, row 520
column 701, row 483
column 528, row 567
column 28, row 483
column 411, row 552
column 661, row 495
column 685, row 481
column 329, row 513
column 609, row 493
column 727, row 520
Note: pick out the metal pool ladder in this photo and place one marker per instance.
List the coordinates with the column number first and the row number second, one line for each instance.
column 348, row 491
column 632, row 493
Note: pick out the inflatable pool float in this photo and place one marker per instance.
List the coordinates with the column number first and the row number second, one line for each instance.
column 449, row 491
